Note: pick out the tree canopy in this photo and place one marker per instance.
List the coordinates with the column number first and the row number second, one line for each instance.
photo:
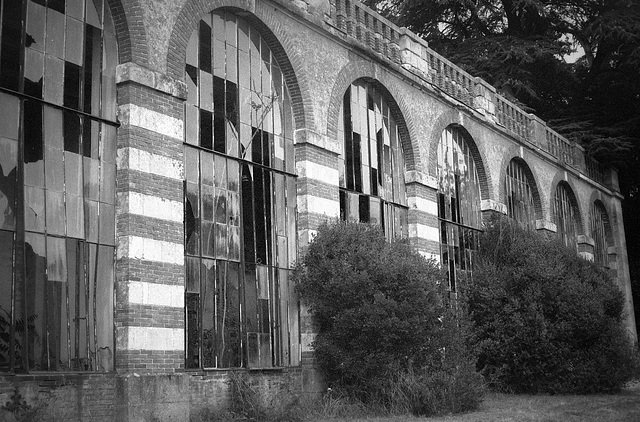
column 574, row 63
column 522, row 48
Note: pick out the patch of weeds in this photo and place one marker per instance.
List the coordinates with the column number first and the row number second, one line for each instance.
column 21, row 410
column 259, row 401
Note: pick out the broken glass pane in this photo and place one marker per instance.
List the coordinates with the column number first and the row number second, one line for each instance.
column 72, row 132
column 192, row 219
column 10, row 46
column 204, row 55
column 33, row 73
column 8, row 169
column 34, row 209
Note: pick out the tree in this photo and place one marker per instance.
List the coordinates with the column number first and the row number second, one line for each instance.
column 520, row 47
column 385, row 335
column 545, row 319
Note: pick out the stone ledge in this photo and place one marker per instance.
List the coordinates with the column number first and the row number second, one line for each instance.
column 132, row 72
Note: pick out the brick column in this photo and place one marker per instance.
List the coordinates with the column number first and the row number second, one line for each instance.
column 586, row 247
column 318, row 202
column 150, row 253
column 424, row 232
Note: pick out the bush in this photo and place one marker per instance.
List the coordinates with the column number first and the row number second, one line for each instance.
column 385, row 335
column 545, row 319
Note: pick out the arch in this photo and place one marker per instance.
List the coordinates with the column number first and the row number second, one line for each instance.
column 533, row 184
column 263, row 19
column 390, row 91
column 560, row 179
column 452, row 119
column 598, row 197
column 130, row 31
column 600, row 230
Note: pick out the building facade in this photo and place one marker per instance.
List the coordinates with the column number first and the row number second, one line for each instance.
column 164, row 163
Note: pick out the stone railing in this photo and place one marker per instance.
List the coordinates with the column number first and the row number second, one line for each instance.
column 370, row 31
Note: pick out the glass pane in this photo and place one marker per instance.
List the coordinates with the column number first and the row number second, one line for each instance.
column 192, row 266
column 34, row 209
column 209, row 288
column 73, row 173
column 8, row 171
column 6, row 285
column 74, row 212
column 192, row 219
column 55, row 213
column 91, row 220
column 35, row 283
column 104, row 308
column 107, row 224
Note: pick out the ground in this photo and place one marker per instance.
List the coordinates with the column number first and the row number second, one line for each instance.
column 621, row 407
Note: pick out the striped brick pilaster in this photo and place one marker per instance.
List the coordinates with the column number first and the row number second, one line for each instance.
column 424, row 234
column 318, row 202
column 150, row 251
column 318, row 182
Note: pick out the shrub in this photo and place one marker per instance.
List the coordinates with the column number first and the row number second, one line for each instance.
column 545, row 319
column 384, row 331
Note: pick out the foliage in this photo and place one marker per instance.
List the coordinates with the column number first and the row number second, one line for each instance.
column 19, row 331
column 384, row 330
column 521, row 47
column 545, row 319
column 252, row 400
column 20, row 410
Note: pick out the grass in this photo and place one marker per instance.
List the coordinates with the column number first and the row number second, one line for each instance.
column 621, row 407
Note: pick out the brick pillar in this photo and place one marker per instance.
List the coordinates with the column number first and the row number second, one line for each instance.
column 546, row 228
column 318, row 202
column 424, row 232
column 150, row 253
column 586, row 247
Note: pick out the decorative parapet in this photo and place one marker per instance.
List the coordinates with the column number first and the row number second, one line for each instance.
column 370, row 31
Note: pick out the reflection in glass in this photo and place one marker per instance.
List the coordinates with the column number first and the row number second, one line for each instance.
column 371, row 165
column 245, row 218
column 565, row 214
column 458, row 205
column 57, row 269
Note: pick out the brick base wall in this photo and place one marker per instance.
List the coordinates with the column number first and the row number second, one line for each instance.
column 137, row 397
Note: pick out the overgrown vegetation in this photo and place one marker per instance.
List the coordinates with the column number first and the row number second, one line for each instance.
column 545, row 319
column 257, row 399
column 386, row 333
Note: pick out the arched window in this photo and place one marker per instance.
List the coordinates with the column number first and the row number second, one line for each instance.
column 371, row 165
column 599, row 230
column 458, row 204
column 519, row 195
column 240, row 201
column 566, row 215
column 57, row 184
